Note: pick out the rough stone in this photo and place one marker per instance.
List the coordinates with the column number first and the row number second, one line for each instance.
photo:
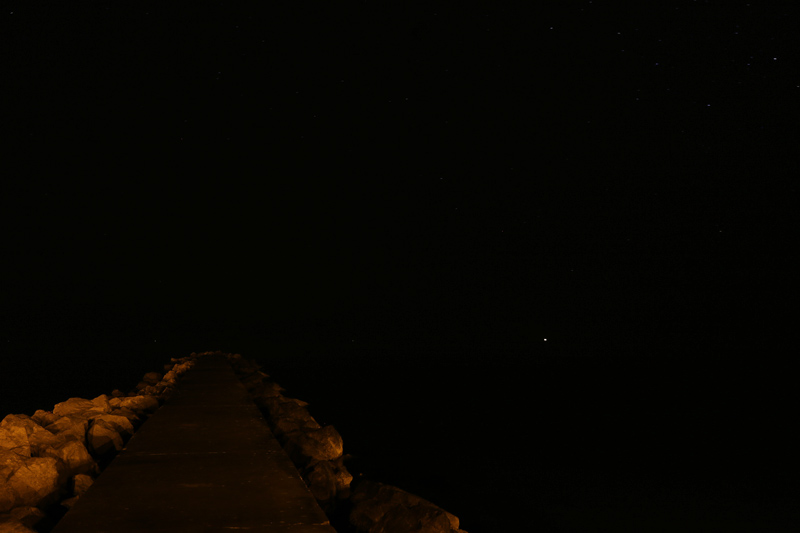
column 44, row 418
column 82, row 407
column 14, row 526
column 118, row 423
column 27, row 516
column 33, row 481
column 14, row 439
column 70, row 426
column 80, row 484
column 38, row 437
column 140, row 404
column 74, row 455
column 152, row 378
column 322, row 444
column 102, row 439
column 284, row 426
column 379, row 508
column 321, row 481
column 132, row 417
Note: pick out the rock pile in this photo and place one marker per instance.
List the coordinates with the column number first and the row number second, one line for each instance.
column 48, row 460
column 317, row 452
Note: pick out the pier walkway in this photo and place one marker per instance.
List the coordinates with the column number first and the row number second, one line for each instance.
column 206, row 462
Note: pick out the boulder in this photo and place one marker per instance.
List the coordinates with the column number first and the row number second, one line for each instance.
column 321, row 481
column 324, row 444
column 70, row 426
column 14, row 439
column 74, row 455
column 328, row 481
column 103, row 439
column 80, row 484
column 14, row 526
column 44, row 418
column 118, row 423
column 82, row 407
column 132, row 417
column 152, row 378
column 268, row 389
column 116, row 393
column 388, row 509
column 284, row 426
column 31, row 482
column 38, row 437
column 140, row 404
column 27, row 516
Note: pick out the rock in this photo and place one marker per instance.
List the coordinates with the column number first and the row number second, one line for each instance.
column 69, row 502
column 27, row 516
column 14, row 526
column 74, row 455
column 44, row 418
column 116, row 393
column 38, row 437
column 80, row 484
column 284, row 426
column 82, row 407
column 14, row 439
column 140, row 404
column 328, row 481
column 323, row 444
column 268, row 389
column 102, row 403
column 132, row 417
column 321, row 481
column 152, row 378
column 118, row 423
column 416, row 519
column 388, row 509
column 70, row 426
column 31, row 482
column 103, row 439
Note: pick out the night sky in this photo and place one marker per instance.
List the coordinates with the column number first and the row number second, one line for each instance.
column 433, row 189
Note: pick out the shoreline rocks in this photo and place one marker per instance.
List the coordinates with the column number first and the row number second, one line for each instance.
column 317, row 452
column 50, row 459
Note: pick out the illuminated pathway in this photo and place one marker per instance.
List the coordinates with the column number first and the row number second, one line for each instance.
column 204, row 462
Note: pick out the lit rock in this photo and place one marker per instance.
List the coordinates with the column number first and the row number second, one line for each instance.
column 14, row 439
column 328, row 481
column 14, row 526
column 70, row 426
column 102, row 438
column 284, row 426
column 140, row 404
column 132, row 417
column 37, row 482
column 82, row 407
column 322, row 444
column 380, row 508
column 44, row 418
column 38, row 437
column 118, row 423
column 27, row 516
column 152, row 378
column 74, row 455
column 80, row 484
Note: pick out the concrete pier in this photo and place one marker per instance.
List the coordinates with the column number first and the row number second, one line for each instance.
column 207, row 462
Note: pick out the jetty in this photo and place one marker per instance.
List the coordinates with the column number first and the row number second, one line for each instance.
column 206, row 461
